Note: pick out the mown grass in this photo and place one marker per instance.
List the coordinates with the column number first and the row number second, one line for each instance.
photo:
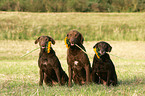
column 94, row 26
column 20, row 76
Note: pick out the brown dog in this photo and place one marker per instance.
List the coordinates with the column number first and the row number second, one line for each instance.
column 103, row 66
column 78, row 61
column 50, row 68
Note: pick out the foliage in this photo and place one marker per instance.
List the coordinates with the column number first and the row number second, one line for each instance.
column 73, row 5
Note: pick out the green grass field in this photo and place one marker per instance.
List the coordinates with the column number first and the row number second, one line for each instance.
column 20, row 76
column 124, row 31
column 93, row 26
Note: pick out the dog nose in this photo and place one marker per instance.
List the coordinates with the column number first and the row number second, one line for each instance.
column 43, row 44
column 72, row 40
column 102, row 52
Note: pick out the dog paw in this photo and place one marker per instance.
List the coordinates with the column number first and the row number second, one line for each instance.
column 40, row 83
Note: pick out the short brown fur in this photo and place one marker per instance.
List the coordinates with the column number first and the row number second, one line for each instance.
column 78, row 62
column 50, row 68
column 104, row 66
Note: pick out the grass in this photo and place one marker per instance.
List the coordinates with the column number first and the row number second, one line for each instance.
column 20, row 76
column 94, row 26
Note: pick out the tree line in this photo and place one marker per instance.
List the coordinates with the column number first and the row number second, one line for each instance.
column 73, row 5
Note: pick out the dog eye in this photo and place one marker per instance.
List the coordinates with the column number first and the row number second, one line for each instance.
column 98, row 49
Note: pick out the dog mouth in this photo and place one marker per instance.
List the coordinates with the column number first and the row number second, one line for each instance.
column 102, row 53
column 43, row 47
column 72, row 44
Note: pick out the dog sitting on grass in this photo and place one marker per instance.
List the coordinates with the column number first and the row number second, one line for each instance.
column 50, row 68
column 103, row 66
column 79, row 68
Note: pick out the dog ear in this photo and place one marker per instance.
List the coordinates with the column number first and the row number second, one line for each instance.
column 96, row 45
column 82, row 38
column 109, row 48
column 37, row 40
column 67, row 34
column 52, row 40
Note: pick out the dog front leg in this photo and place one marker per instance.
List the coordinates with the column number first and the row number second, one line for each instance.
column 58, row 75
column 115, row 80
column 92, row 76
column 108, row 77
column 87, row 68
column 70, row 76
column 41, row 77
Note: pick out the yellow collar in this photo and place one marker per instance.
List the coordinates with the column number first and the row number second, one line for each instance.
column 49, row 47
column 66, row 42
column 95, row 50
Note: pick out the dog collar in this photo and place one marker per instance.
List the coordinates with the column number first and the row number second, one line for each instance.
column 67, row 43
column 97, row 53
column 48, row 47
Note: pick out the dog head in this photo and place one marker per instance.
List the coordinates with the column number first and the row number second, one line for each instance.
column 43, row 41
column 74, row 37
column 103, row 47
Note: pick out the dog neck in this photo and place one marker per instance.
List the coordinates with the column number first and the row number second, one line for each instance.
column 103, row 57
column 43, row 51
column 74, row 49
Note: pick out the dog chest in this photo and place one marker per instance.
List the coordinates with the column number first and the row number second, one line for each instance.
column 46, row 64
column 102, row 67
column 76, row 65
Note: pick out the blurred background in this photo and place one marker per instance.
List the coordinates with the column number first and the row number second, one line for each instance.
column 73, row 5
column 95, row 19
